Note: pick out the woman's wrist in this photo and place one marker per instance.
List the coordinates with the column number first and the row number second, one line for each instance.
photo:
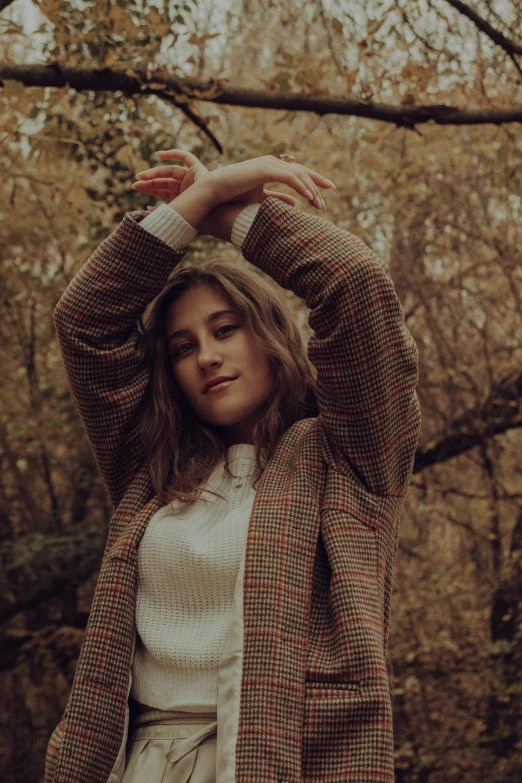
column 194, row 204
column 220, row 221
column 199, row 207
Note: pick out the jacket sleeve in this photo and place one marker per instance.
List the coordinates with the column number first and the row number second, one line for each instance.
column 365, row 357
column 96, row 325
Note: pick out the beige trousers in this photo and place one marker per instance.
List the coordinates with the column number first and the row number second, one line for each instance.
column 172, row 747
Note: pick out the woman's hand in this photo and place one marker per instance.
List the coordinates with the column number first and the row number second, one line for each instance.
column 231, row 183
column 222, row 193
column 237, row 182
column 170, row 181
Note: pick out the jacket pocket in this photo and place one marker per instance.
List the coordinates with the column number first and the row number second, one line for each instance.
column 313, row 686
column 347, row 732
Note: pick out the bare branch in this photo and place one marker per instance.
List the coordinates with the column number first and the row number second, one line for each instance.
column 198, row 121
column 183, row 91
column 501, row 412
column 138, row 84
column 498, row 38
column 517, row 66
column 407, row 550
column 466, row 525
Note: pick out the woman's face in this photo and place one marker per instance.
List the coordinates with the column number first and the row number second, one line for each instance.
column 205, row 343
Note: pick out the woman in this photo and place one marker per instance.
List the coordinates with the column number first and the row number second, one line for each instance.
column 239, row 625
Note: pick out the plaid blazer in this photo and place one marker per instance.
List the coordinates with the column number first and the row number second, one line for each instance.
column 312, row 699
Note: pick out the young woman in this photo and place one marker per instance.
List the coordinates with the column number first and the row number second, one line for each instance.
column 239, row 626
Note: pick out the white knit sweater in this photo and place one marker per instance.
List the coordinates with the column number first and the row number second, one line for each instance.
column 189, row 558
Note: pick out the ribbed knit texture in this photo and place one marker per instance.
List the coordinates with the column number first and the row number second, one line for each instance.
column 169, row 226
column 242, row 225
column 188, row 562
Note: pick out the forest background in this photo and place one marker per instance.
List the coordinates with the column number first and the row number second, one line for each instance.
column 413, row 109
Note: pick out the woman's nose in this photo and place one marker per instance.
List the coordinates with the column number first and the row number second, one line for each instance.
column 209, row 356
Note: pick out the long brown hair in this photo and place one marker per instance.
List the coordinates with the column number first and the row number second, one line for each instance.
column 182, row 450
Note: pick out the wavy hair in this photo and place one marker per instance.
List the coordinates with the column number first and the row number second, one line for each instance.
column 182, row 450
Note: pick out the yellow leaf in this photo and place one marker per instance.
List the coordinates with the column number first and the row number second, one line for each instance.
column 195, row 39
column 37, row 93
column 125, row 156
column 52, row 9
column 282, row 80
column 178, row 96
column 109, row 59
column 117, row 13
column 421, row 76
column 12, row 88
column 158, row 23
column 212, row 92
column 57, row 95
column 132, row 31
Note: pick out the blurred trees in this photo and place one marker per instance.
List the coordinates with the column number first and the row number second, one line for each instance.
column 441, row 204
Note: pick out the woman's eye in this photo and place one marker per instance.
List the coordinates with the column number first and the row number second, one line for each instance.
column 227, row 326
column 179, row 350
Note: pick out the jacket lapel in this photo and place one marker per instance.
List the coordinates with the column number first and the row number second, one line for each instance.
column 277, row 586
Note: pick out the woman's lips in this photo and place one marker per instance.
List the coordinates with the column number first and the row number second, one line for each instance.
column 220, row 386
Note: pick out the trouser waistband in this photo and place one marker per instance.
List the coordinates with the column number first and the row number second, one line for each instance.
column 156, row 717
column 153, row 725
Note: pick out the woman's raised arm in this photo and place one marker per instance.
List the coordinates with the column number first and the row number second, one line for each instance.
column 96, row 325
column 365, row 357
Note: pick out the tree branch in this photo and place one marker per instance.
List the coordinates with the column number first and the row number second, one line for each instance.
column 501, row 412
column 198, row 121
column 182, row 91
column 138, row 84
column 498, row 38
column 467, row 526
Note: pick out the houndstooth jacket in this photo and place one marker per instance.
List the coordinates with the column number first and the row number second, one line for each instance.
column 303, row 692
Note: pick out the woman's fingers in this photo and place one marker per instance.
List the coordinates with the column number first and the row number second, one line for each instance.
column 319, row 179
column 313, row 180
column 231, row 182
column 298, row 178
column 176, row 172
column 155, row 189
column 315, row 176
column 321, row 182
column 169, row 186
column 303, row 186
column 166, row 182
column 317, row 200
column 281, row 196
column 184, row 155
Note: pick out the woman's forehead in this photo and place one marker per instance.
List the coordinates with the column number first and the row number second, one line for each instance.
column 195, row 306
